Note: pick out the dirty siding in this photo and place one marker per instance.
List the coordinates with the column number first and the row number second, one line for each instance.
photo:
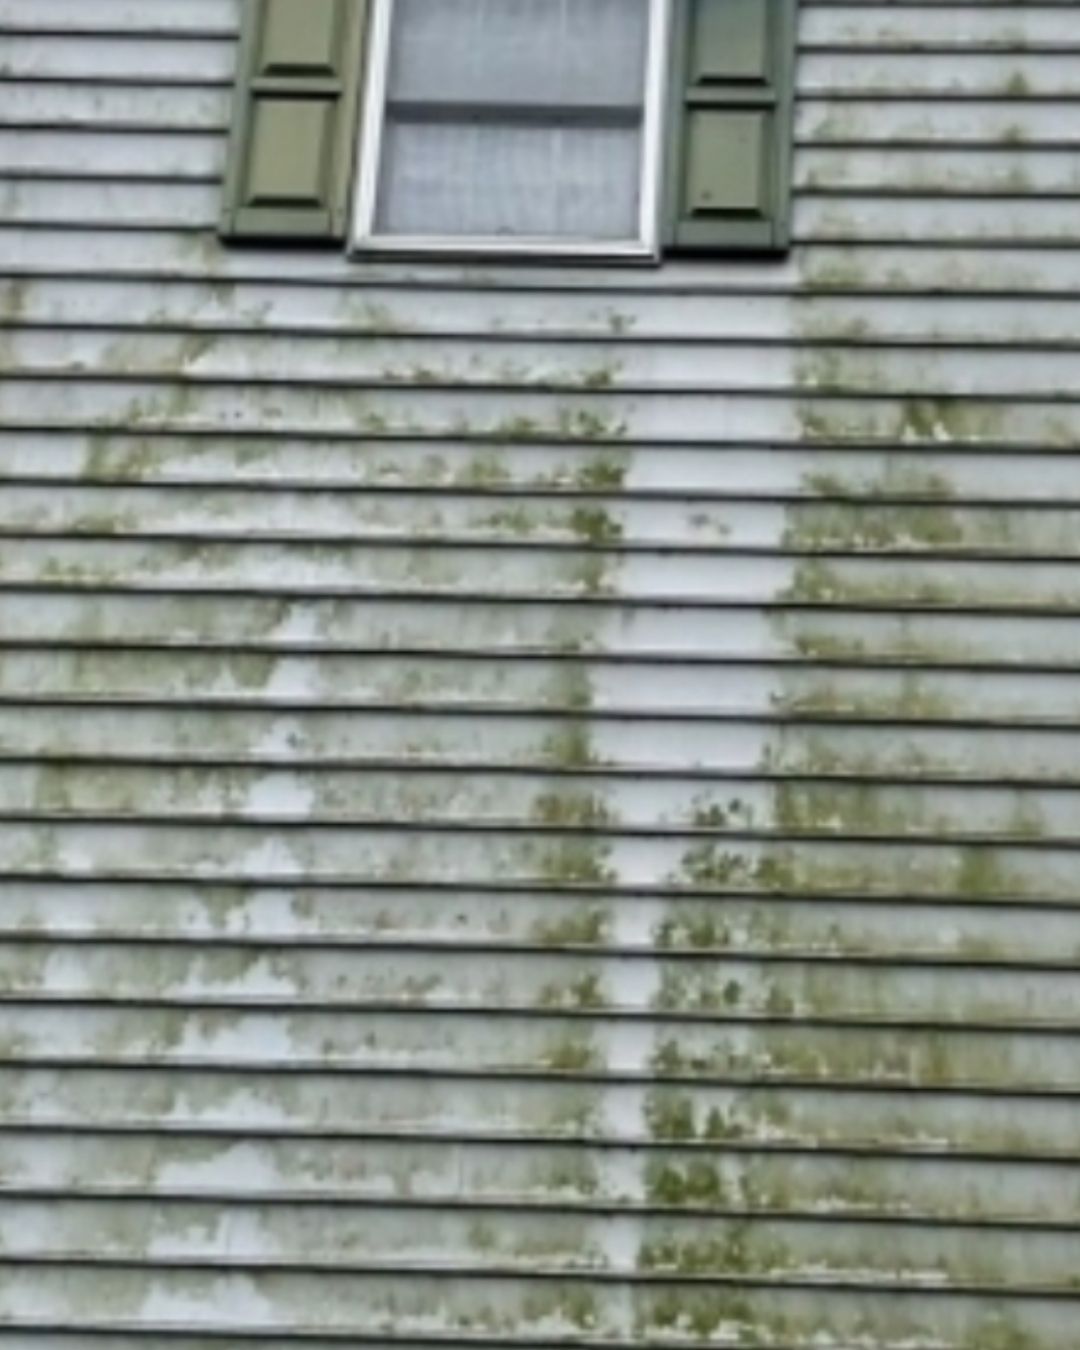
column 540, row 807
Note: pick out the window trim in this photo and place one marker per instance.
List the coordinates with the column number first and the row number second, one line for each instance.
column 646, row 248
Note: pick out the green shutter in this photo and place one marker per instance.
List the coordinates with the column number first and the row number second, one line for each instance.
column 294, row 121
column 729, row 157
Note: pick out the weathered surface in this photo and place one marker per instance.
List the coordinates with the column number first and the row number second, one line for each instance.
column 541, row 807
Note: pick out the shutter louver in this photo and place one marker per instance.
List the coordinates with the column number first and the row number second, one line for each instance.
column 730, row 150
column 294, row 121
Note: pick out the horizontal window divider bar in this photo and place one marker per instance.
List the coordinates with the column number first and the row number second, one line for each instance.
column 569, row 115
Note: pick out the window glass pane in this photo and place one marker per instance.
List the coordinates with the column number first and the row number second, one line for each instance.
column 513, row 120
column 519, row 181
column 519, row 51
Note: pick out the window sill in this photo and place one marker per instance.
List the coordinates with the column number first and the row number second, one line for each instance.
column 501, row 250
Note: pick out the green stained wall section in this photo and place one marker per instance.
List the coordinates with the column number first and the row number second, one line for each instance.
column 538, row 806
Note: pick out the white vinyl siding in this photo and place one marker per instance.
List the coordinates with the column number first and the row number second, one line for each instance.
column 538, row 804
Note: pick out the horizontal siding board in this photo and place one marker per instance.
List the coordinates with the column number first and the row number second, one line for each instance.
column 972, row 931
column 706, row 744
column 113, row 56
column 286, row 364
column 403, row 1306
column 496, row 416
column 914, row 73
column 1013, row 28
column 54, row 846
column 329, row 1175
column 776, row 1249
column 232, row 678
column 683, row 990
column 80, row 468
column 437, row 1045
column 385, row 623
column 543, row 574
column 145, row 110
column 240, row 1102
column 463, row 529
column 537, row 805
column 262, row 515
column 120, row 16
column 366, row 316
column 931, row 122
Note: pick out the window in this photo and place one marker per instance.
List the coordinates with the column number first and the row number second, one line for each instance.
column 591, row 128
column 513, row 124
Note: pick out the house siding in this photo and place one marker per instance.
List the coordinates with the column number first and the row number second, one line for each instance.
column 539, row 806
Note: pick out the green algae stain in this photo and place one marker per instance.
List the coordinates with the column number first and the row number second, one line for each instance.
column 14, row 302
column 571, row 1052
column 686, row 1182
column 890, row 511
column 583, row 926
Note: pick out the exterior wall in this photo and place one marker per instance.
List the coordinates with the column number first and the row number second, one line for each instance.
column 541, row 806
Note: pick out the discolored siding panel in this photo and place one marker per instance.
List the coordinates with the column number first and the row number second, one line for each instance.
column 540, row 807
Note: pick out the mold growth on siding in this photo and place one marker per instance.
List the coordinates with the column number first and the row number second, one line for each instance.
column 568, row 855
column 824, row 792
column 764, row 850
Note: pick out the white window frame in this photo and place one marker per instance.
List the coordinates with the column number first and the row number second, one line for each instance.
column 645, row 248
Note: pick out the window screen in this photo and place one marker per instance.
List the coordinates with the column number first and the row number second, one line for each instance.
column 514, row 120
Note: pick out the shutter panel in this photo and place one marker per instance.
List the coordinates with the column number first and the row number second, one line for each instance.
column 294, row 121
column 729, row 160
